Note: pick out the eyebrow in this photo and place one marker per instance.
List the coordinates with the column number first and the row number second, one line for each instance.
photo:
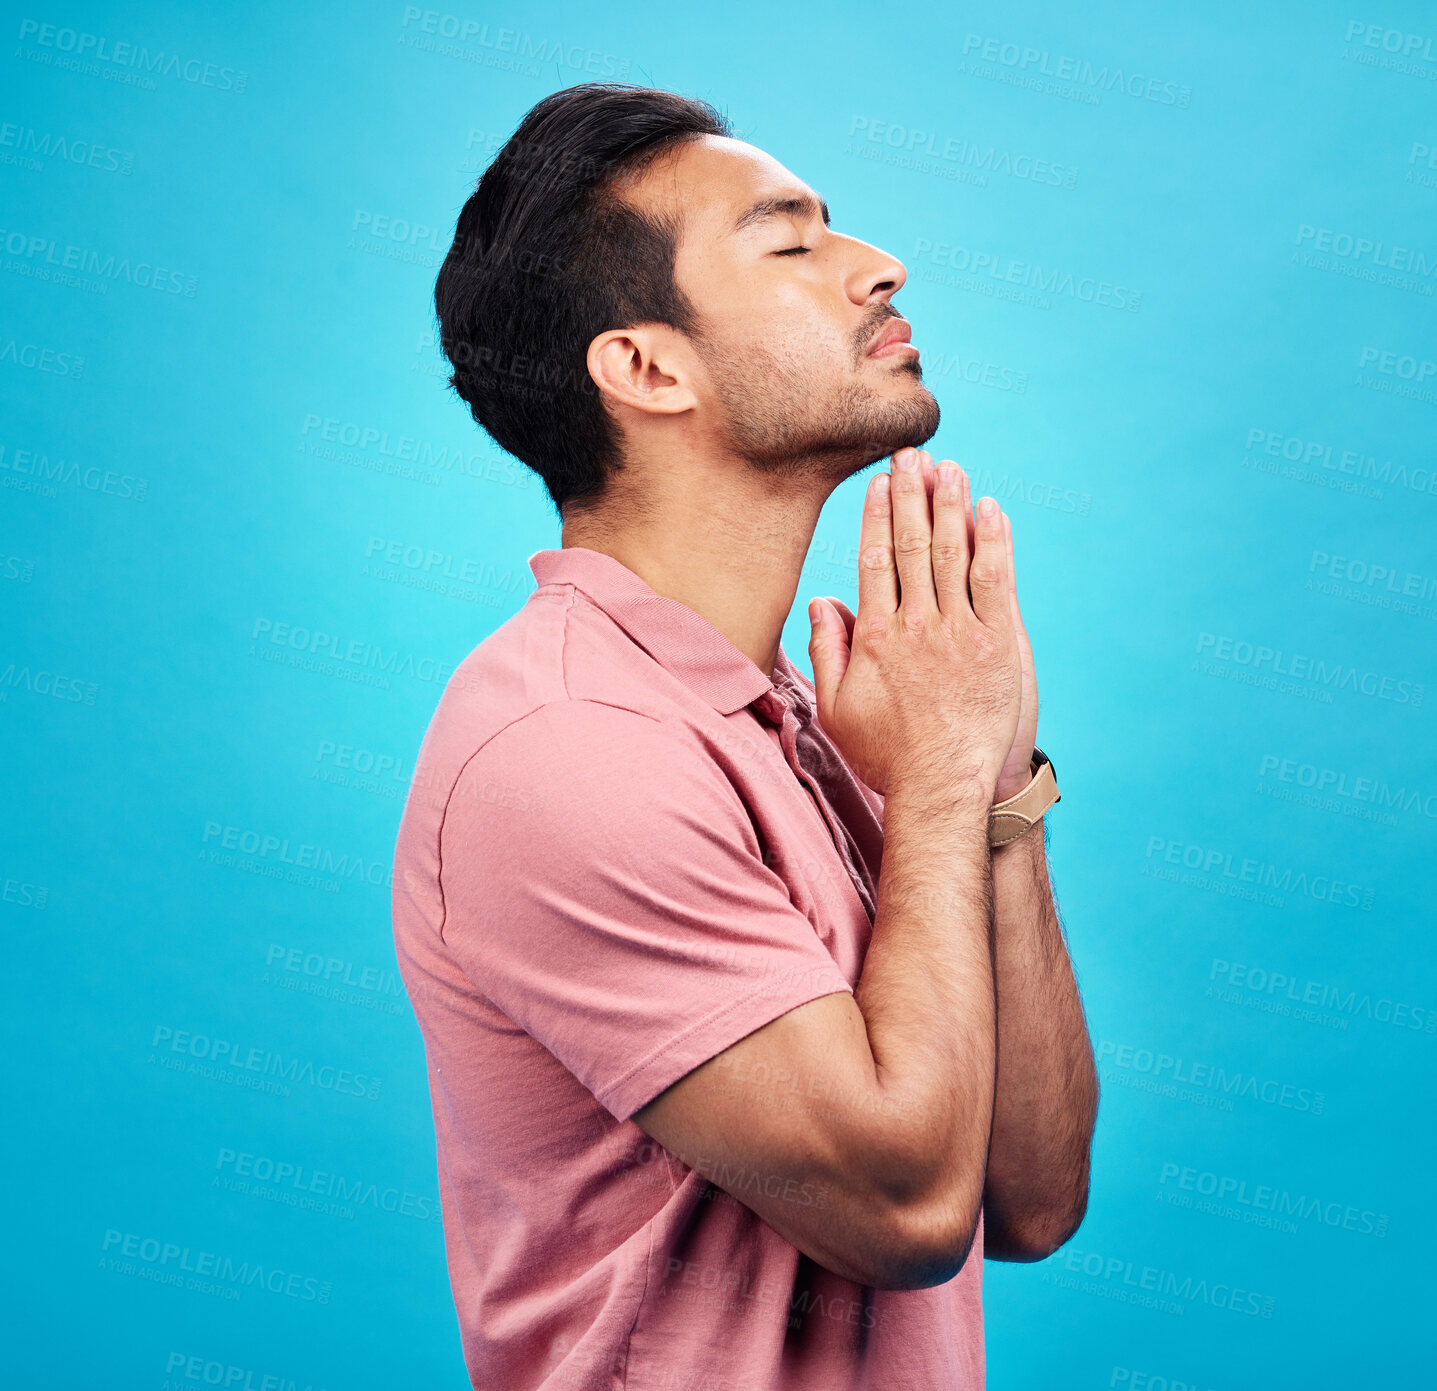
column 792, row 206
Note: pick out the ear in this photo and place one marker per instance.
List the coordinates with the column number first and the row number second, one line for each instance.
column 646, row 367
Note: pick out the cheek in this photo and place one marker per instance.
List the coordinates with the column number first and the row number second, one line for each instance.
column 794, row 326
column 762, row 324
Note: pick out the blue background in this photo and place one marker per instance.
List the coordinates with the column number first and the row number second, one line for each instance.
column 1222, row 498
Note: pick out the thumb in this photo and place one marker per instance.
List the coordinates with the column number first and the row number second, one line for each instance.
column 828, row 650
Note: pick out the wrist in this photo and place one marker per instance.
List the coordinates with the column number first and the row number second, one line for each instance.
column 1025, row 845
column 1012, row 817
column 965, row 793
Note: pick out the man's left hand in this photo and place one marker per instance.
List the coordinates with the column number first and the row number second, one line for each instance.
column 1017, row 771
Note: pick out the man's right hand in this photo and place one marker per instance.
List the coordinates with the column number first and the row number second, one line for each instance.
column 928, row 686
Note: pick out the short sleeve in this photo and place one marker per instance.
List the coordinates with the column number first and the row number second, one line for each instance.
column 604, row 886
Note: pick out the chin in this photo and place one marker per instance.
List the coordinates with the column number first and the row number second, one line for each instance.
column 915, row 415
column 857, row 425
column 890, row 421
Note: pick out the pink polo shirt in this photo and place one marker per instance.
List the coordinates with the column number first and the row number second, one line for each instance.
column 625, row 849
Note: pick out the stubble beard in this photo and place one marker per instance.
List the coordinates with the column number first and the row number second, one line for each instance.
column 785, row 420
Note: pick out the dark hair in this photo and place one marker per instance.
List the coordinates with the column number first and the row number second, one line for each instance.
column 546, row 256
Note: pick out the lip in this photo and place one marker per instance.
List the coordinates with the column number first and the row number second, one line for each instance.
column 892, row 340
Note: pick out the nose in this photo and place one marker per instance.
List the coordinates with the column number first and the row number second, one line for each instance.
column 875, row 275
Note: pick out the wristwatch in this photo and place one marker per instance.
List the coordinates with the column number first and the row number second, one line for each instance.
column 1011, row 818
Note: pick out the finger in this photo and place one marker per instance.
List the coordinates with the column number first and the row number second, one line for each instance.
column 968, row 519
column 1012, row 571
column 989, row 577
column 877, row 577
column 912, row 533
column 828, row 651
column 968, row 508
column 950, row 539
column 845, row 613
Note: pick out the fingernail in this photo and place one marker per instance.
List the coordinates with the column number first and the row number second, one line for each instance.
column 906, row 460
column 946, row 474
column 987, row 506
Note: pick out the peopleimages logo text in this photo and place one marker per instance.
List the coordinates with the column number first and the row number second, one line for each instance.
column 1182, row 1071
column 358, row 652
column 1269, row 1197
column 300, row 855
column 1040, row 62
column 120, row 53
column 1027, row 274
column 1370, row 788
column 1358, row 248
column 1301, row 667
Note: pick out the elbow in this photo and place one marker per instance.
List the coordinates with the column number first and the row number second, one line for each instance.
column 927, row 1213
column 929, row 1242
column 1031, row 1236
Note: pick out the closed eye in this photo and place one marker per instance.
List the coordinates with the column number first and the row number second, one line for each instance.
column 793, row 251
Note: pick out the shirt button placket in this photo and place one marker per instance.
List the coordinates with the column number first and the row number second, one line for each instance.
column 788, row 737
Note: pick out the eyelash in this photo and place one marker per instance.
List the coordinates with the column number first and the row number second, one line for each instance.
column 793, row 251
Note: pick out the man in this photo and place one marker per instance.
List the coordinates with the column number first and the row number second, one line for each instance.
column 745, row 1045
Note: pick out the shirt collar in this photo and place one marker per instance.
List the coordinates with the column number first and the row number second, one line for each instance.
column 674, row 635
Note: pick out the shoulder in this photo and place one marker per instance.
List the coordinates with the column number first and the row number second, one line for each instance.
column 585, row 753
column 579, row 792
column 559, row 650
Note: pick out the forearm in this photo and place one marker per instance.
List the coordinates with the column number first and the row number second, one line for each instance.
column 1047, row 1087
column 927, row 993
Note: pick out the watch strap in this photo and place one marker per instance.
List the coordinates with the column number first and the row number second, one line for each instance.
column 1015, row 815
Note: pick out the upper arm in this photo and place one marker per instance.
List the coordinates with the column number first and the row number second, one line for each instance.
column 791, row 1121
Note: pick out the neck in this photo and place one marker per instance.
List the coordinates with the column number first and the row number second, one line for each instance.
column 730, row 545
